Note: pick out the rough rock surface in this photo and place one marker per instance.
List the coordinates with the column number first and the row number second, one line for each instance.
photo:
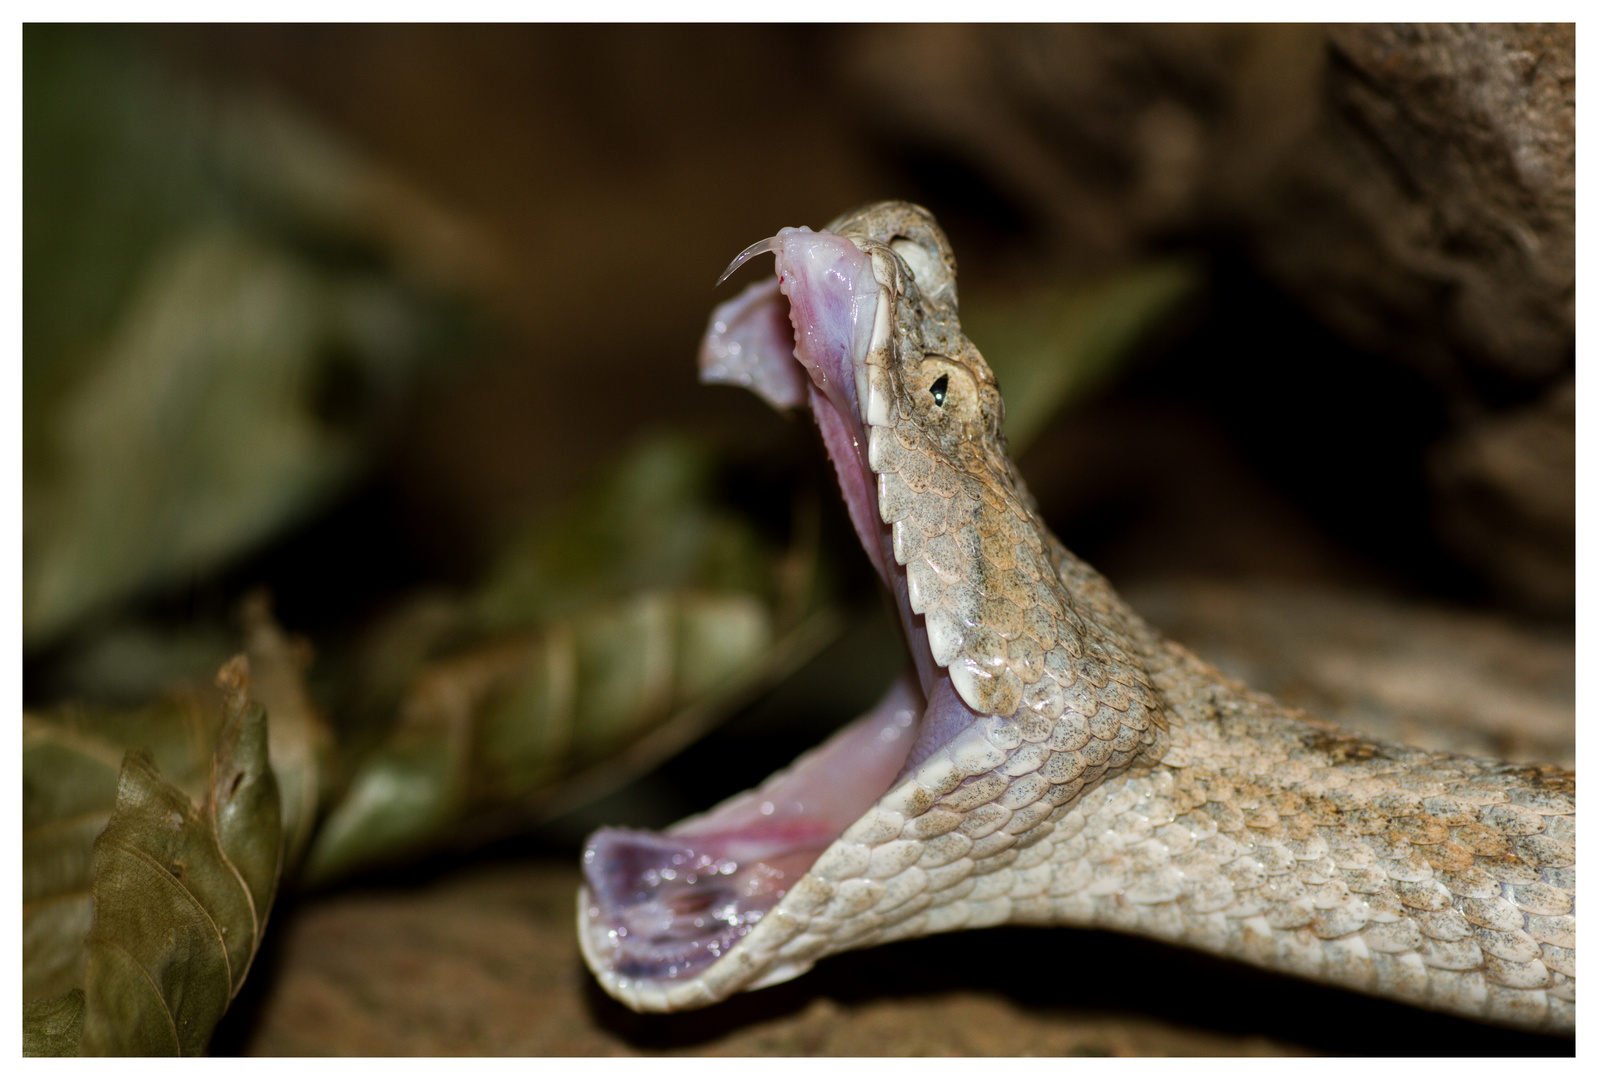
column 1430, row 214
column 1419, row 674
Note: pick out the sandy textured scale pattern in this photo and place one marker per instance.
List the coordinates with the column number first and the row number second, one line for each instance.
column 1265, row 836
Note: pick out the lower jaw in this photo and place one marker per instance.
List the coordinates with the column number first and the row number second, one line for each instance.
column 660, row 909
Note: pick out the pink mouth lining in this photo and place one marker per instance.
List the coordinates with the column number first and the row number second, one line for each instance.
column 676, row 902
column 754, row 341
column 832, row 297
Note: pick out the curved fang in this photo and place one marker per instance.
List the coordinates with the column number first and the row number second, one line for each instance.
column 759, row 247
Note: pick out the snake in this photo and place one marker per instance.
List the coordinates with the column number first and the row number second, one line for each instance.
column 1049, row 758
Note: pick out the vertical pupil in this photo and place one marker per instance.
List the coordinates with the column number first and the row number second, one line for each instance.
column 940, row 390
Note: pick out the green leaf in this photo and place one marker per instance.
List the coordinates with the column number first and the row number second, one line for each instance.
column 181, row 893
column 53, row 1027
column 223, row 309
column 649, row 522
column 72, row 759
column 301, row 744
column 1053, row 343
column 512, row 724
column 145, row 887
column 70, row 767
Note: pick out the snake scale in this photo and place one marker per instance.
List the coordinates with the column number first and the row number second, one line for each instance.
column 1052, row 759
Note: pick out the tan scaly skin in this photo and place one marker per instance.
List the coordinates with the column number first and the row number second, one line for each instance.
column 1054, row 760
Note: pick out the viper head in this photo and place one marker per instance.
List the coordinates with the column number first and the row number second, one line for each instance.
column 912, row 418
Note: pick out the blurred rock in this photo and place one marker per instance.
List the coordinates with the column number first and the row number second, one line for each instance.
column 1102, row 135
column 1430, row 215
column 1412, row 186
column 1506, row 499
column 1418, row 674
column 1416, row 185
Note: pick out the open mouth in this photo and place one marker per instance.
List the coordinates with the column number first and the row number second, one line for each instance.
column 661, row 909
column 1017, row 703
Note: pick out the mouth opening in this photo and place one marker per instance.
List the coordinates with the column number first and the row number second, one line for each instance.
column 659, row 908
column 665, row 906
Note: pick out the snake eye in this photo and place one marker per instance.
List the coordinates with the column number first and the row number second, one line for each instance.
column 940, row 390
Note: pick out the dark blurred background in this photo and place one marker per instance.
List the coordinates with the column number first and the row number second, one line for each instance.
column 474, row 264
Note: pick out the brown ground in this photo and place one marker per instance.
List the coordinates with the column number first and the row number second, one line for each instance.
column 486, row 963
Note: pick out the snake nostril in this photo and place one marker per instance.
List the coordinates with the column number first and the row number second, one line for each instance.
column 940, row 390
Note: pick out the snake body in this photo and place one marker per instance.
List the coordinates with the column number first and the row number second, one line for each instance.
column 1058, row 762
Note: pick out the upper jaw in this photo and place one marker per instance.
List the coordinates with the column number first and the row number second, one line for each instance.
column 869, row 307
column 837, row 327
column 819, row 333
column 822, row 332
